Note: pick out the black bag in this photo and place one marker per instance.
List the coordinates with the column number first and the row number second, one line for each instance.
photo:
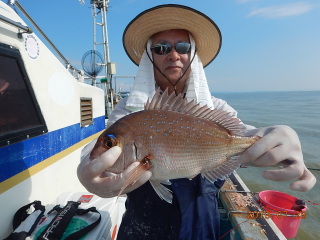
column 55, row 229
column 25, row 223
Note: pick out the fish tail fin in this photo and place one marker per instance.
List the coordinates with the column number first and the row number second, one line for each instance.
column 135, row 175
column 223, row 171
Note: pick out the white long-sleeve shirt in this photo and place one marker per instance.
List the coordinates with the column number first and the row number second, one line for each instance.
column 121, row 111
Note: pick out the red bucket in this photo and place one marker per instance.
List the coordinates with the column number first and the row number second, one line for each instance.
column 280, row 203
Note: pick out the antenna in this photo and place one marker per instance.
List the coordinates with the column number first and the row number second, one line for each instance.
column 92, row 62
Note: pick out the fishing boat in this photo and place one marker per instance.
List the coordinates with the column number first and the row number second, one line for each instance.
column 48, row 115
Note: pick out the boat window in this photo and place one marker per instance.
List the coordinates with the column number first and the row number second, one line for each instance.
column 20, row 116
column 86, row 111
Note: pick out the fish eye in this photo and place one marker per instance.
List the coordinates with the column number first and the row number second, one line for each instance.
column 110, row 141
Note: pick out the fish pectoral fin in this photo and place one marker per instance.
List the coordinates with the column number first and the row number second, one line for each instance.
column 163, row 192
column 222, row 171
column 167, row 182
column 136, row 173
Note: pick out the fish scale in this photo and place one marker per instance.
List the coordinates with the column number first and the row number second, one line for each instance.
column 183, row 155
column 176, row 139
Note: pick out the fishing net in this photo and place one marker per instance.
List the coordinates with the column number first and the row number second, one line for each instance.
column 92, row 63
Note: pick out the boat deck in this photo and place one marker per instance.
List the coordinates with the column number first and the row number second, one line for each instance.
column 236, row 222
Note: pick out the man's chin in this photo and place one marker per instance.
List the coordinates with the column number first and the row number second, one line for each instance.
column 174, row 77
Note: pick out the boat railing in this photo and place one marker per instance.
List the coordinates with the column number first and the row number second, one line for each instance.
column 75, row 72
column 16, row 24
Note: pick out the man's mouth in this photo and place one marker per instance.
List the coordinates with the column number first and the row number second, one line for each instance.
column 173, row 67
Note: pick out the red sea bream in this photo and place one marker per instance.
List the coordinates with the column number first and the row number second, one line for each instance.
column 174, row 138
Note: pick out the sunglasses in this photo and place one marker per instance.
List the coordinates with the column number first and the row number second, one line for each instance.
column 165, row 48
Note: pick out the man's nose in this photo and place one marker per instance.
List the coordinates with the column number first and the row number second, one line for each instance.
column 174, row 55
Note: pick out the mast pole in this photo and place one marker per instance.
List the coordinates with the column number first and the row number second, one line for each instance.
column 94, row 14
column 106, row 50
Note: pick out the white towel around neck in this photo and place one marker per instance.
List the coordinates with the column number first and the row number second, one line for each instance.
column 144, row 85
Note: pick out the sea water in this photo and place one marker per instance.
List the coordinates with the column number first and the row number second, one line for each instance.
column 301, row 111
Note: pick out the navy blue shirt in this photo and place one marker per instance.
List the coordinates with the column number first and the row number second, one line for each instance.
column 193, row 213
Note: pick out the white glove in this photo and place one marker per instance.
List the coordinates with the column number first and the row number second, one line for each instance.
column 94, row 176
column 279, row 143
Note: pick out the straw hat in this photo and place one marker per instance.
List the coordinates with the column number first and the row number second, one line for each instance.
column 172, row 16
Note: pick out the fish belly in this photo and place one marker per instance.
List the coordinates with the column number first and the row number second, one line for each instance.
column 187, row 167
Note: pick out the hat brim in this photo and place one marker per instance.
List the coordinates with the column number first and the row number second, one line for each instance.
column 172, row 16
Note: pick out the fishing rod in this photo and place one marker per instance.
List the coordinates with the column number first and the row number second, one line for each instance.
column 315, row 169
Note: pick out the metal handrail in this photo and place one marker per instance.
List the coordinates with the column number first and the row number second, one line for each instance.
column 68, row 65
column 40, row 31
column 15, row 24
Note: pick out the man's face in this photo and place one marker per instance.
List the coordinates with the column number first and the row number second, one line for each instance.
column 173, row 64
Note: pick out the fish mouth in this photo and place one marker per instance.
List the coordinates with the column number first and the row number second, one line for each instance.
column 135, row 151
column 135, row 155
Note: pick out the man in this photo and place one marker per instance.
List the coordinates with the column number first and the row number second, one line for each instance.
column 171, row 51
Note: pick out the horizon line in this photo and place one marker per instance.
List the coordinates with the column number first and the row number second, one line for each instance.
column 265, row 91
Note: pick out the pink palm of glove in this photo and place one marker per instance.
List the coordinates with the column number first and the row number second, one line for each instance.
column 94, row 176
column 278, row 144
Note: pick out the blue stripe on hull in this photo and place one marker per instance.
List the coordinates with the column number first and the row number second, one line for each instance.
column 20, row 156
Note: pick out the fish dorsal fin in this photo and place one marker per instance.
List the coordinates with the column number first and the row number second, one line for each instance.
column 178, row 104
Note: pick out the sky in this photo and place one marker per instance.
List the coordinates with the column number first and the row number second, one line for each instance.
column 267, row 45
